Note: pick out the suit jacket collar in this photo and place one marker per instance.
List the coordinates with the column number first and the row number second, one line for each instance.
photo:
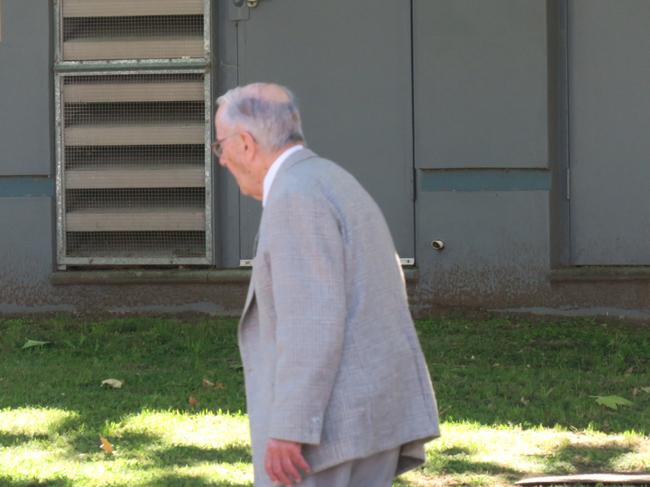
column 293, row 159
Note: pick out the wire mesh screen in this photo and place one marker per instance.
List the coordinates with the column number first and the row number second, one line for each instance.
column 134, row 29
column 94, row 245
column 134, row 165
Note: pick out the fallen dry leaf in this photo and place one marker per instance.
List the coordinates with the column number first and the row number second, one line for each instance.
column 114, row 383
column 217, row 385
column 193, row 401
column 106, row 445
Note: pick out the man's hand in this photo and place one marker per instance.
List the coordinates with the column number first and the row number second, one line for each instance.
column 282, row 461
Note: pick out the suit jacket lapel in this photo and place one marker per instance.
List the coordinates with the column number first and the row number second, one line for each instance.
column 251, row 285
column 249, row 297
column 294, row 159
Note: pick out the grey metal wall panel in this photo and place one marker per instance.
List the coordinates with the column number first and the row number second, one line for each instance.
column 25, row 121
column 480, row 82
column 350, row 66
column 26, row 243
column 609, row 70
column 560, row 232
column 496, row 246
column 226, row 194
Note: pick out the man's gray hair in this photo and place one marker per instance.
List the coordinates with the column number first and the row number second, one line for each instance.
column 268, row 112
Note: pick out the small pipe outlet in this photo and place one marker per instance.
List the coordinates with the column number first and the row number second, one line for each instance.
column 438, row 245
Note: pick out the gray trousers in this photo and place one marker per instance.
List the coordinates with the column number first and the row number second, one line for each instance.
column 375, row 471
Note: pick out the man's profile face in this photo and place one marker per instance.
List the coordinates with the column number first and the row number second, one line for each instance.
column 233, row 156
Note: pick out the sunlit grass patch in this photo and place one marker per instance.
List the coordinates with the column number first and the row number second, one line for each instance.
column 34, row 421
column 636, row 460
column 151, row 448
column 35, row 460
column 475, row 454
column 202, row 429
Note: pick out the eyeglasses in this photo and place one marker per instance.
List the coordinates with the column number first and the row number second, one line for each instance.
column 217, row 147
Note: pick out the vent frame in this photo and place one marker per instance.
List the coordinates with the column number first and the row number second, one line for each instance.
column 63, row 258
column 126, row 63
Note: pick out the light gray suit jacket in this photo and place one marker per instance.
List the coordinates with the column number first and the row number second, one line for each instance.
column 331, row 357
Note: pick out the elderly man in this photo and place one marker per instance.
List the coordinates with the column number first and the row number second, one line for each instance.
column 338, row 392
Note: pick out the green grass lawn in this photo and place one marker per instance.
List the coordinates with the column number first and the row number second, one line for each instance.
column 517, row 398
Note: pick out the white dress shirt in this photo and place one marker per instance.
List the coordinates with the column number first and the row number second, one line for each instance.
column 275, row 167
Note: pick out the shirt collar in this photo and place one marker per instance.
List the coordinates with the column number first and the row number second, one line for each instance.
column 275, row 167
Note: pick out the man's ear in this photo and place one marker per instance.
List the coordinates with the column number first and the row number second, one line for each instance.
column 249, row 145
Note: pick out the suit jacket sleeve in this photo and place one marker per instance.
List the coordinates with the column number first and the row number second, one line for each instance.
column 306, row 257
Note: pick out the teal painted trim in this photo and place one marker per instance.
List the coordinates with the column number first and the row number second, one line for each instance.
column 485, row 180
column 15, row 187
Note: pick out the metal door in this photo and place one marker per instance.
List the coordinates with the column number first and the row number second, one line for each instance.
column 609, row 110
column 349, row 64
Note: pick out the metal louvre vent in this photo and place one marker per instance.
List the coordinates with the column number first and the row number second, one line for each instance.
column 110, row 244
column 134, row 169
column 131, row 29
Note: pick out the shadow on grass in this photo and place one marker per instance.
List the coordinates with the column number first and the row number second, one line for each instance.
column 576, row 459
column 162, row 362
column 512, row 371
column 458, row 461
column 10, row 440
column 9, row 482
column 456, row 471
column 186, row 481
column 490, row 371
column 137, row 445
column 455, row 450
column 163, row 481
column 443, row 466
column 188, row 455
column 455, row 464
column 160, row 455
